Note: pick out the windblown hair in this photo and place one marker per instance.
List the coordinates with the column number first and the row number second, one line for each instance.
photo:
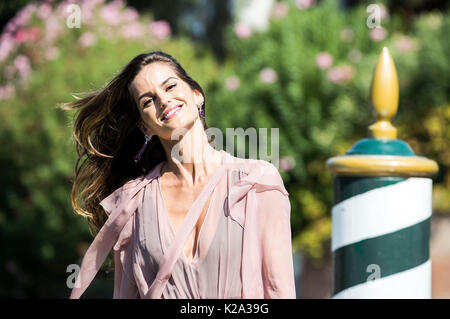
column 107, row 138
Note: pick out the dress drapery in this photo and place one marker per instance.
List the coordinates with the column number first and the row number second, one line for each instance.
column 243, row 248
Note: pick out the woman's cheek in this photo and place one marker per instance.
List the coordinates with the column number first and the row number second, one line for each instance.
column 149, row 116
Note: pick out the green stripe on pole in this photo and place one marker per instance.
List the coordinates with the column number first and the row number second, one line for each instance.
column 393, row 253
column 379, row 146
column 346, row 186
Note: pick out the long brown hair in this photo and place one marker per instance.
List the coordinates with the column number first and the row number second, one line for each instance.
column 107, row 138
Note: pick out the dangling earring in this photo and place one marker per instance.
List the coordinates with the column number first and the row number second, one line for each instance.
column 138, row 157
column 201, row 110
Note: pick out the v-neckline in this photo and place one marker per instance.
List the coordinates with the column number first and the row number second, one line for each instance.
column 195, row 257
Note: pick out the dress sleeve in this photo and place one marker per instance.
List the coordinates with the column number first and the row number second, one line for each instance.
column 260, row 203
column 277, row 261
column 124, row 283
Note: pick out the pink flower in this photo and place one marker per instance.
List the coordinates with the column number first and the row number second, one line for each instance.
column 347, row 35
column 33, row 33
column 20, row 36
column 90, row 5
column 405, row 44
column 354, row 55
column 242, row 30
column 287, row 163
column 87, row 39
column 160, row 29
column 267, row 75
column 324, row 60
column 52, row 29
column 304, row 4
column 378, row 33
column 340, row 74
column 280, row 10
column 24, row 35
column 7, row 92
column 86, row 15
column 7, row 45
column 44, row 11
column 61, row 9
column 133, row 30
column 232, row 83
column 384, row 14
column 10, row 27
column 22, row 64
column 111, row 14
column 130, row 15
column 88, row 8
column 23, row 17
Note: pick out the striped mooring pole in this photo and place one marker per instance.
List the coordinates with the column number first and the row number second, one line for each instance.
column 382, row 207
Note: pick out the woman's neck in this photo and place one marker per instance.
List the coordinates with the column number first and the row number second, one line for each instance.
column 190, row 159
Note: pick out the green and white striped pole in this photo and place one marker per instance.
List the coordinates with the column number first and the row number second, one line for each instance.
column 382, row 207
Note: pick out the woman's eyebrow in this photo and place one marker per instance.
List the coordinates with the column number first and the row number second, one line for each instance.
column 163, row 82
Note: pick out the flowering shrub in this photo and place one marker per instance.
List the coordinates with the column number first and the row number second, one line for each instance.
column 309, row 74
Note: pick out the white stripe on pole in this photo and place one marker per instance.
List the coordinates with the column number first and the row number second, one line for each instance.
column 381, row 211
column 414, row 283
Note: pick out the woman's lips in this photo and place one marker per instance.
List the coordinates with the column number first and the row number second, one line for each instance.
column 173, row 112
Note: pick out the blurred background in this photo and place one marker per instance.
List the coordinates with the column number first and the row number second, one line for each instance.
column 303, row 66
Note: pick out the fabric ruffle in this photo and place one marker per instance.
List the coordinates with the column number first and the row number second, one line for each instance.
column 259, row 175
column 120, row 206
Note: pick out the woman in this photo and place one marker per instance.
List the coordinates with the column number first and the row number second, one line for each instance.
column 184, row 220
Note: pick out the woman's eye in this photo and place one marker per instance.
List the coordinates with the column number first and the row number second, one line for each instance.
column 146, row 102
column 171, row 86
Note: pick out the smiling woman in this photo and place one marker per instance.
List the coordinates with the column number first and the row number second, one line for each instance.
column 196, row 223
column 108, row 131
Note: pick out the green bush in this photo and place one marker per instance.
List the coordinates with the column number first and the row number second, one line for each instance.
column 322, row 107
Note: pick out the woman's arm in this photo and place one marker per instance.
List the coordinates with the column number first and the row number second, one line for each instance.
column 277, row 260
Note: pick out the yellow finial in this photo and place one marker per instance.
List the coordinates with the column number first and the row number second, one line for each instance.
column 384, row 96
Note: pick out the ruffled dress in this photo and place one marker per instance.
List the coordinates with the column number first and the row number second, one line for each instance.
column 243, row 249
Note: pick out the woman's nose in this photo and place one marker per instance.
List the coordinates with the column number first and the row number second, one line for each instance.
column 164, row 100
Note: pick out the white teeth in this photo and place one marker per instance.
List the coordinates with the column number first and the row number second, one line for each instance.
column 170, row 113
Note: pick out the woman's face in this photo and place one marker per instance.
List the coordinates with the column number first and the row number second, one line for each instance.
column 165, row 101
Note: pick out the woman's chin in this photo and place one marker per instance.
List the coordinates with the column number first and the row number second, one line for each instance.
column 175, row 127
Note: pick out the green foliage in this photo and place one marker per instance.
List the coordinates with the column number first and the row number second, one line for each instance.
column 424, row 119
column 322, row 111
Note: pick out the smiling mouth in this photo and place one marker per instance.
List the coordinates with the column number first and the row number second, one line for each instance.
column 172, row 112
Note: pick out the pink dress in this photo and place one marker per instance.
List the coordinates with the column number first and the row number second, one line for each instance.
column 243, row 247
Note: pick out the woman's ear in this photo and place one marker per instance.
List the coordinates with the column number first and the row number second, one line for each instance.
column 199, row 99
